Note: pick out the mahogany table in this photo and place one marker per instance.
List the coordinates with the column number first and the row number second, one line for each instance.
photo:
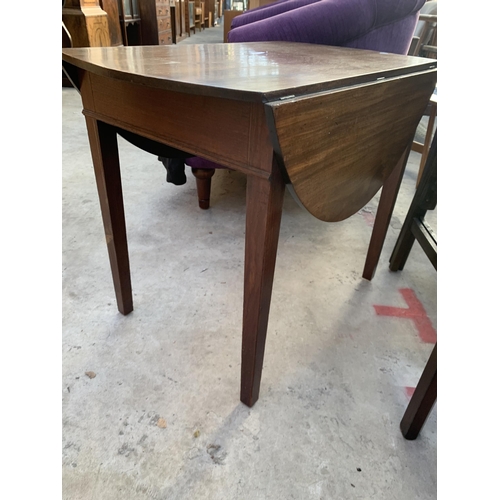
column 334, row 123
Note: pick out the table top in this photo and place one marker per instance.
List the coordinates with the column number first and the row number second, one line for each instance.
column 262, row 71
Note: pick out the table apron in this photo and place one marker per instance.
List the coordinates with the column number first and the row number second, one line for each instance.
column 232, row 133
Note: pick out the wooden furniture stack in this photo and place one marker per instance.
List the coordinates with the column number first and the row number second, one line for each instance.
column 108, row 23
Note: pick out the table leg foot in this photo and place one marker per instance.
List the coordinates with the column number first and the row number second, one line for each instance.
column 104, row 148
column 264, row 208
column 203, row 185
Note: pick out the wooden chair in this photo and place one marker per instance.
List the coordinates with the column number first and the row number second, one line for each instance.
column 206, row 16
column 415, row 227
column 423, row 147
column 424, row 44
column 199, row 15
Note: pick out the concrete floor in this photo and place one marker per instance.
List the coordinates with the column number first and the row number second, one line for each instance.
column 161, row 418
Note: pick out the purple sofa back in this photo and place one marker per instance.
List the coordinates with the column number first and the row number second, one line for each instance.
column 382, row 25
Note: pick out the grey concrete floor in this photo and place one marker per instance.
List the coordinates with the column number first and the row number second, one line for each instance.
column 161, row 418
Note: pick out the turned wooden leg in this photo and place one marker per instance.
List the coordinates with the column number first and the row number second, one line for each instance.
column 203, row 185
column 422, row 401
column 385, row 208
column 264, row 207
column 104, row 148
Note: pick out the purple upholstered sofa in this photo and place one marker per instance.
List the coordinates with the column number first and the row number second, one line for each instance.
column 381, row 25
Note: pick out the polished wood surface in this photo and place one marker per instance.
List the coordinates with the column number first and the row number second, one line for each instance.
column 370, row 131
column 344, row 156
column 260, row 71
column 253, row 92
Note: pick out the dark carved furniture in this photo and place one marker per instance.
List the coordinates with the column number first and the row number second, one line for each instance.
column 156, row 22
column 130, row 22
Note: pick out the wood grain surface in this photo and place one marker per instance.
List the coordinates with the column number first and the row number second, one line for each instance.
column 339, row 147
column 246, row 71
column 240, row 139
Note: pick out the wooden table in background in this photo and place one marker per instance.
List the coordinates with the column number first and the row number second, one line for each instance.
column 335, row 123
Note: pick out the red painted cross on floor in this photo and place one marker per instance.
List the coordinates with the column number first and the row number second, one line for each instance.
column 415, row 312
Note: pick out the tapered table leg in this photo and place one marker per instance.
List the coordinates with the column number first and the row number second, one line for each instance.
column 422, row 400
column 264, row 208
column 104, row 148
column 385, row 208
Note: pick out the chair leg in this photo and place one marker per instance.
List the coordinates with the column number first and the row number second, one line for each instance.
column 428, row 137
column 422, row 400
column 203, row 185
column 425, row 199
